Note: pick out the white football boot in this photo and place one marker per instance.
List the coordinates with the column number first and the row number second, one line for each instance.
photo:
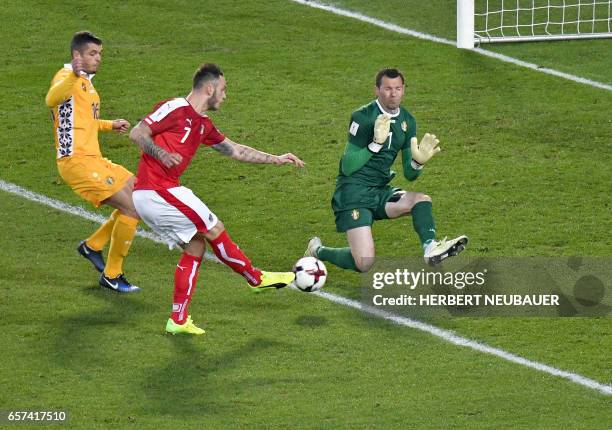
column 313, row 246
column 436, row 251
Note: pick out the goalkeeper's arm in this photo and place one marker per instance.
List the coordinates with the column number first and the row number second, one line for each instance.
column 410, row 171
column 355, row 156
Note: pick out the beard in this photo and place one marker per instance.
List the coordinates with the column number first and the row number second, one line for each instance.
column 215, row 102
column 90, row 70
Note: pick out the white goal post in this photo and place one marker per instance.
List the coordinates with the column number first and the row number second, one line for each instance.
column 491, row 21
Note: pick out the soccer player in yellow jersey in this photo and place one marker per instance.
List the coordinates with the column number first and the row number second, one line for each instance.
column 76, row 121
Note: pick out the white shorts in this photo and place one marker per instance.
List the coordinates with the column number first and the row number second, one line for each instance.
column 176, row 214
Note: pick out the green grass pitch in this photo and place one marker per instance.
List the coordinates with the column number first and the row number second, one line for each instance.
column 526, row 169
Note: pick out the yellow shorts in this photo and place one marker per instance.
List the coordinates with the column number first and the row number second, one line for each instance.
column 93, row 178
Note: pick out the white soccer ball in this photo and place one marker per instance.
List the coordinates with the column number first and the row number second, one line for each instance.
column 310, row 274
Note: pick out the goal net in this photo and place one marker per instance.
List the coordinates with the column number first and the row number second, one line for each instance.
column 489, row 21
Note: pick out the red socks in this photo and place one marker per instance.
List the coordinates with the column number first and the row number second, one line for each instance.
column 186, row 274
column 185, row 278
column 229, row 253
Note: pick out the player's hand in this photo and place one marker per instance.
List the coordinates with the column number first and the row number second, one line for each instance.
column 381, row 128
column 121, row 125
column 289, row 158
column 170, row 159
column 422, row 152
column 77, row 65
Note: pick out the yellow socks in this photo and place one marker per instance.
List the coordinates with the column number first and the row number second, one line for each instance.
column 121, row 240
column 102, row 235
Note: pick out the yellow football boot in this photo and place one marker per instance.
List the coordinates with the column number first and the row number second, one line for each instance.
column 273, row 280
column 188, row 327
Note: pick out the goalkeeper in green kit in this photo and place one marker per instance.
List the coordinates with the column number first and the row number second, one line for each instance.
column 377, row 133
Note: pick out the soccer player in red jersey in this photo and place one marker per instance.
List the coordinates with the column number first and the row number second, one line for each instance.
column 169, row 137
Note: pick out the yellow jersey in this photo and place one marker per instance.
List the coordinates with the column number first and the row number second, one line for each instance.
column 75, row 105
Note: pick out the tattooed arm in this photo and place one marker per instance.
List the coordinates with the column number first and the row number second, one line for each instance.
column 251, row 155
column 141, row 136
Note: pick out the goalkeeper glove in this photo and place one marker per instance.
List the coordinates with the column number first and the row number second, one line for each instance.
column 381, row 132
column 422, row 152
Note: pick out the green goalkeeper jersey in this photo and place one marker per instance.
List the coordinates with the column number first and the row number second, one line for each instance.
column 359, row 165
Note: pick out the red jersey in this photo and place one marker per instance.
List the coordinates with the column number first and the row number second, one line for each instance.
column 176, row 127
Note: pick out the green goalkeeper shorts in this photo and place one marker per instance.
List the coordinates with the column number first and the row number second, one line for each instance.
column 358, row 205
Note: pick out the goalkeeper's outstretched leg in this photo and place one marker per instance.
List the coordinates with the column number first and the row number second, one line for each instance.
column 359, row 256
column 419, row 206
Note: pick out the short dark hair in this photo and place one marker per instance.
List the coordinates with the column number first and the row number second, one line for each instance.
column 389, row 73
column 82, row 38
column 206, row 72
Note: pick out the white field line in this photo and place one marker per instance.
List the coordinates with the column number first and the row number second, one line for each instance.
column 453, row 338
column 78, row 211
column 413, row 33
column 443, row 334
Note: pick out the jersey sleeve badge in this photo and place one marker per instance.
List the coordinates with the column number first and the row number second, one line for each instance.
column 353, row 128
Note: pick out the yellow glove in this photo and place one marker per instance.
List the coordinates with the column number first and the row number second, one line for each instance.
column 381, row 128
column 422, row 152
column 381, row 132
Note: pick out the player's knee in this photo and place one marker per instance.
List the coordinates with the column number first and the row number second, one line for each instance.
column 406, row 206
column 128, row 210
column 364, row 264
column 131, row 213
column 129, row 184
column 214, row 232
column 219, row 227
column 420, row 197
column 196, row 246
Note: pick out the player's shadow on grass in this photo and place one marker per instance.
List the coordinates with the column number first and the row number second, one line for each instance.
column 134, row 301
column 94, row 335
column 196, row 382
column 311, row 321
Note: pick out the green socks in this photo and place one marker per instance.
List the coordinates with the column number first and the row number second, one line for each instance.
column 423, row 222
column 340, row 257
